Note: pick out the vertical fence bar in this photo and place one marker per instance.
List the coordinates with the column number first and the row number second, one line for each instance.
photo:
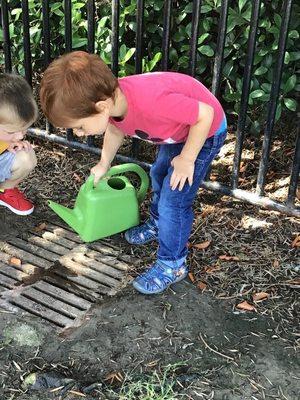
column 138, row 55
column 91, row 25
column 115, row 16
column 245, row 93
column 68, row 24
column 139, row 36
column 220, row 48
column 271, row 112
column 46, row 32
column 6, row 36
column 194, row 36
column 26, row 41
column 91, row 43
column 295, row 172
column 68, row 42
column 46, row 42
column 166, row 35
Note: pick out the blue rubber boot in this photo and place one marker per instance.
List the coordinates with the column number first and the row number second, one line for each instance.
column 159, row 277
column 143, row 233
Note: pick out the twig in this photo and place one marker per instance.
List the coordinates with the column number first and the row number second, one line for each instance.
column 214, row 351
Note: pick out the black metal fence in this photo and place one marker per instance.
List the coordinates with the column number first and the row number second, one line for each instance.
column 255, row 197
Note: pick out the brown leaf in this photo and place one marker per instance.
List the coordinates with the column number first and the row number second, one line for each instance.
column 192, row 277
column 276, row 264
column 114, row 376
column 245, row 306
column 260, row 296
column 202, row 285
column 228, row 258
column 212, row 269
column 15, row 261
column 40, row 227
column 296, row 241
column 203, row 245
column 77, row 178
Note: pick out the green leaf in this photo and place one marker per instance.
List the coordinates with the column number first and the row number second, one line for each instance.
column 278, row 112
column 294, row 34
column 290, row 84
column 202, row 38
column 290, row 104
column 277, row 19
column 261, row 70
column 78, row 42
column 128, row 54
column 242, row 4
column 206, row 50
column 257, row 93
column 154, row 61
column 287, row 57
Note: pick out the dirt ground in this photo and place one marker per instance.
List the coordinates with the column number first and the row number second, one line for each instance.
column 197, row 335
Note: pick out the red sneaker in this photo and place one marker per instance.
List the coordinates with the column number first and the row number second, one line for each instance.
column 16, row 201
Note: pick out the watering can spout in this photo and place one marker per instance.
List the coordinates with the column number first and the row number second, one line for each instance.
column 68, row 215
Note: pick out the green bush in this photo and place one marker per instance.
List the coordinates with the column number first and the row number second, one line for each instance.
column 235, row 47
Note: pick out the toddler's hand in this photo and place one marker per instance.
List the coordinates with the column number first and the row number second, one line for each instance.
column 99, row 170
column 14, row 147
column 183, row 170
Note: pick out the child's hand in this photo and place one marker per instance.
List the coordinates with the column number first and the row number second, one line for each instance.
column 99, row 171
column 14, row 147
column 183, row 170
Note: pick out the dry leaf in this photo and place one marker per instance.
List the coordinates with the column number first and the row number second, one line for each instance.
column 295, row 281
column 15, row 261
column 212, row 269
column 296, row 241
column 276, row 264
column 201, row 285
column 246, row 306
column 228, row 258
column 192, row 277
column 203, row 245
column 77, row 393
column 40, row 227
column 114, row 376
column 77, row 178
column 260, row 296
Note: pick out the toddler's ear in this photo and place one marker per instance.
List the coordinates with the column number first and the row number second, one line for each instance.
column 101, row 106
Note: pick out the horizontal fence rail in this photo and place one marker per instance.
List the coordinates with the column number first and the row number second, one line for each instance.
column 257, row 196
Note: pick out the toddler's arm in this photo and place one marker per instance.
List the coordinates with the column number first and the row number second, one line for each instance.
column 113, row 139
column 184, row 163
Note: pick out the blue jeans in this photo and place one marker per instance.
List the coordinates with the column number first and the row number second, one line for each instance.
column 172, row 209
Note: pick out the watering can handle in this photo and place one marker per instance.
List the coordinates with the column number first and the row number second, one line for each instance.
column 119, row 169
column 130, row 167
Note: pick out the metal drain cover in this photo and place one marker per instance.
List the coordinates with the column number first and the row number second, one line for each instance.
column 53, row 275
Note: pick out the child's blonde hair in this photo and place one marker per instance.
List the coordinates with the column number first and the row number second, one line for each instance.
column 17, row 104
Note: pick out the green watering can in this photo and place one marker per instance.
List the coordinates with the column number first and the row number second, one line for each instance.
column 110, row 207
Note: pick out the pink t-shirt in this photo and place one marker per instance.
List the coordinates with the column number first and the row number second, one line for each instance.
column 163, row 105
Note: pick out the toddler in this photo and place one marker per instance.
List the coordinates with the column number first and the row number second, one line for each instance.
column 18, row 111
column 170, row 109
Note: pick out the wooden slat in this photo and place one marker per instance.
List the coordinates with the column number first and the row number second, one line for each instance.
column 51, row 302
column 42, row 311
column 81, row 270
column 63, row 294
column 26, row 256
column 48, row 245
column 98, row 266
column 22, row 244
column 12, row 272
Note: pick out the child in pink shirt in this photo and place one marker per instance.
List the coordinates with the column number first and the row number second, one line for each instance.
column 172, row 110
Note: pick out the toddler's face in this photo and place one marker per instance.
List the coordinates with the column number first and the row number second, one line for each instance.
column 94, row 125
column 11, row 133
